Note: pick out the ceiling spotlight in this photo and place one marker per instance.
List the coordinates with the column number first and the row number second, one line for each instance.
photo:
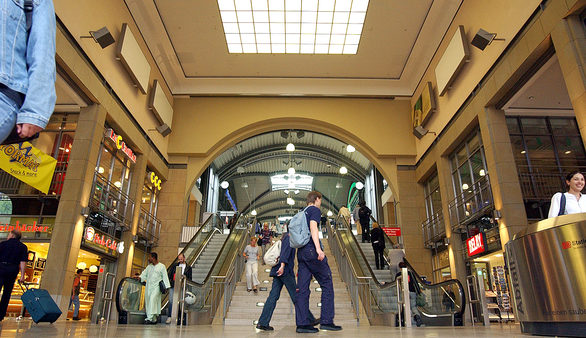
column 286, row 191
column 350, row 148
column 483, row 39
column 253, row 212
column 102, row 36
column 291, row 171
column 465, row 186
column 240, row 169
column 343, row 170
column 224, row 184
column 359, row 185
column 290, row 201
column 244, row 185
column 296, row 192
column 338, row 185
column 290, row 147
column 482, row 172
column 329, row 213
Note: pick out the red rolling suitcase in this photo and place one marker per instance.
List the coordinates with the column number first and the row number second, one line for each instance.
column 40, row 305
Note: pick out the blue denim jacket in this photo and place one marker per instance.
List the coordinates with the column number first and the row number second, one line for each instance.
column 27, row 65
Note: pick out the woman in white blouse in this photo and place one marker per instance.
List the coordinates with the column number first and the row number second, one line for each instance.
column 575, row 203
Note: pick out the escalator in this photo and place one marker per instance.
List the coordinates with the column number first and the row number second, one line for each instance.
column 206, row 252
column 440, row 304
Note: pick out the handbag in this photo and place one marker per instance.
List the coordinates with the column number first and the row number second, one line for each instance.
column 162, row 287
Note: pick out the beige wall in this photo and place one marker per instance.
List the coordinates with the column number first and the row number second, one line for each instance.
column 82, row 16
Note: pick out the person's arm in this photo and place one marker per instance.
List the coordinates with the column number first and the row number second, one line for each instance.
column 188, row 271
column 165, row 278
column 554, row 207
column 39, row 102
column 313, row 228
column 22, row 275
column 284, row 255
column 144, row 275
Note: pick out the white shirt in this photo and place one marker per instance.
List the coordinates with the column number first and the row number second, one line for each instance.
column 182, row 265
column 573, row 205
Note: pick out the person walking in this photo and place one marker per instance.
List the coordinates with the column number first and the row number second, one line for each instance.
column 252, row 255
column 13, row 257
column 364, row 215
column 344, row 212
column 186, row 271
column 153, row 275
column 377, row 239
column 312, row 262
column 27, row 68
column 75, row 294
column 282, row 274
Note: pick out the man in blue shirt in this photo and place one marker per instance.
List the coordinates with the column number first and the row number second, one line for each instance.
column 27, row 66
column 282, row 274
column 313, row 262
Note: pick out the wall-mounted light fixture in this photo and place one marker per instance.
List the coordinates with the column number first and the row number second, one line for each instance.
column 483, row 39
column 496, row 214
column 85, row 211
column 420, row 131
column 101, row 36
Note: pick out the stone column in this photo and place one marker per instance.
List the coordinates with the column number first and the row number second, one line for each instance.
column 410, row 208
column 569, row 40
column 502, row 172
column 69, row 222
column 172, row 212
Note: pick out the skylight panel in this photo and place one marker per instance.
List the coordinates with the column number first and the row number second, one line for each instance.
column 293, row 26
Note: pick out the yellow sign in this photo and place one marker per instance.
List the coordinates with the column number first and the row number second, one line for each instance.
column 155, row 180
column 28, row 164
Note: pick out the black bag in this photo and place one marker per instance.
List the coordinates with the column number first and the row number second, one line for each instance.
column 162, row 287
column 562, row 205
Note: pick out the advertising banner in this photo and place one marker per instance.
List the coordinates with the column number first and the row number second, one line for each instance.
column 392, row 231
column 28, row 164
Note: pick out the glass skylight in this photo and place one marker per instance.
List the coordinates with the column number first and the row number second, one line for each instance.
column 296, row 181
column 293, row 26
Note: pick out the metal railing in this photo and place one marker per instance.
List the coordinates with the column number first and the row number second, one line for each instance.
column 540, row 183
column 434, row 229
column 149, row 227
column 111, row 201
column 471, row 203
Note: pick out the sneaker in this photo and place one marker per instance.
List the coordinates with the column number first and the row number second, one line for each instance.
column 264, row 327
column 330, row 327
column 315, row 322
column 306, row 329
column 76, row 318
column 168, row 321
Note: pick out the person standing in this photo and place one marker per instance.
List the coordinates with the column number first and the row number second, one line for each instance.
column 282, row 274
column 377, row 239
column 186, row 271
column 154, row 273
column 252, row 255
column 27, row 67
column 312, row 261
column 265, row 236
column 75, row 294
column 574, row 202
column 13, row 257
column 356, row 218
column 364, row 215
column 344, row 212
column 396, row 257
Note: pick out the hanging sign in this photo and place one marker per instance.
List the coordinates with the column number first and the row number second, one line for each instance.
column 392, row 231
column 102, row 242
column 28, row 164
column 117, row 139
column 475, row 244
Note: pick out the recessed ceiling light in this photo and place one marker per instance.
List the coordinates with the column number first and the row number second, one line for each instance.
column 343, row 170
column 293, row 26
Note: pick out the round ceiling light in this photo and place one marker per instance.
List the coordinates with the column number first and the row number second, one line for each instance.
column 290, row 147
column 224, row 184
column 350, row 148
column 290, row 201
column 291, row 171
column 253, row 212
column 343, row 170
column 359, row 185
column 93, row 269
column 330, row 213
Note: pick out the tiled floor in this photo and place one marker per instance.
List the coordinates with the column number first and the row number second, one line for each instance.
column 11, row 328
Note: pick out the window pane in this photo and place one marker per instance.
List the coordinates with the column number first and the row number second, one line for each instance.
column 563, row 126
column 513, row 125
column 478, row 170
column 105, row 162
column 474, row 143
column 534, row 126
column 570, row 151
column 461, row 156
column 540, row 150
column 436, row 201
column 465, row 177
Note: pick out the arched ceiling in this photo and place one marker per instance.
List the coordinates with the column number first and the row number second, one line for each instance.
column 249, row 164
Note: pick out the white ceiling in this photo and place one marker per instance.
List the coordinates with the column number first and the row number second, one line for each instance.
column 399, row 39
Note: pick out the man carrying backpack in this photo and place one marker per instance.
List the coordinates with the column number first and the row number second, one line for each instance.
column 364, row 215
column 313, row 262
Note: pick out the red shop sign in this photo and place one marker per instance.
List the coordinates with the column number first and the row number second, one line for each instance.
column 392, row 231
column 475, row 244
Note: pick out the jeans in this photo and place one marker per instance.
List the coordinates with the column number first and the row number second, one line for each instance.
column 7, row 278
column 309, row 265
column 75, row 300
column 170, row 306
column 8, row 111
column 251, row 274
column 379, row 257
column 267, row 311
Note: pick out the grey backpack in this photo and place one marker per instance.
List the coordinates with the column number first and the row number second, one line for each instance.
column 299, row 234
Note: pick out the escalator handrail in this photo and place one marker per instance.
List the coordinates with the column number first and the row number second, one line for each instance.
column 345, row 253
column 119, row 289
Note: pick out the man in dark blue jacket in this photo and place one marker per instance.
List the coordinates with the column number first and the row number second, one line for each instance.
column 282, row 274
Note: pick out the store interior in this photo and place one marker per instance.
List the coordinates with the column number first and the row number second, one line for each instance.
column 492, row 270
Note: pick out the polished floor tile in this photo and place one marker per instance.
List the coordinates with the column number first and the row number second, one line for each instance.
column 12, row 328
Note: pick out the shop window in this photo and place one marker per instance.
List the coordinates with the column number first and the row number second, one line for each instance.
column 433, row 227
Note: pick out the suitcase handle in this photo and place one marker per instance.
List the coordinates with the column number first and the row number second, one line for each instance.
column 25, row 285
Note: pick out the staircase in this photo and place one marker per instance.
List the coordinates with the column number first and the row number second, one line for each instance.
column 243, row 309
column 202, row 266
column 383, row 275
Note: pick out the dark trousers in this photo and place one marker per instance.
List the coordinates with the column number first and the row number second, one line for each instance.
column 7, row 279
column 365, row 230
column 309, row 266
column 379, row 257
column 267, row 311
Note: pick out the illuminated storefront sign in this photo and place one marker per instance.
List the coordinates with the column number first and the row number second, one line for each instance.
column 475, row 244
column 24, row 227
column 120, row 144
column 392, row 231
column 155, row 180
column 102, row 242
